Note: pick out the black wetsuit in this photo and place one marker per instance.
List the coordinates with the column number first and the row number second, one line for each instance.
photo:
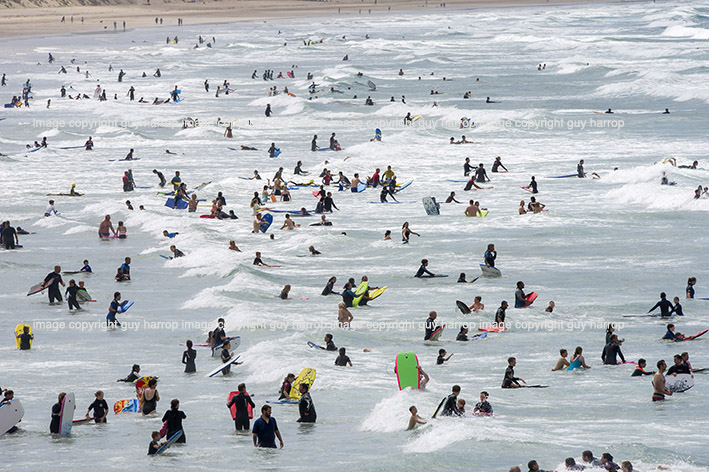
column 152, row 450
column 174, row 423
column 483, row 407
column 226, row 357
column 328, row 289
column 25, row 342
column 680, row 369
column 461, row 337
column 52, row 281
column 132, row 377
column 331, row 346
column 466, row 169
column 509, row 378
column 639, row 372
column 665, row 307
column 307, row 409
column 440, row 359
column 430, row 327
column 242, row 402
column 347, row 297
column 580, row 172
column 610, row 353
column 678, row 309
column 100, row 407
column 56, row 417
column 500, row 315
column 450, row 408
column 496, row 165
column 188, row 358
column 71, row 297
column 342, row 360
column 481, row 175
column 490, row 258
column 423, row 272
column 329, row 204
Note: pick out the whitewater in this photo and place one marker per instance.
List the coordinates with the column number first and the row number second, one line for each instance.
column 606, row 247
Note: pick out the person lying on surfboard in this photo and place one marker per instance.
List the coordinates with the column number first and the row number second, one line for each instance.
column 423, row 272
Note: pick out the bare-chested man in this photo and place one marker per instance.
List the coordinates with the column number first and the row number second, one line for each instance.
column 658, row 382
column 104, row 227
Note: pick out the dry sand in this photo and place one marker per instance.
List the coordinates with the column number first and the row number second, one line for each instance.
column 43, row 17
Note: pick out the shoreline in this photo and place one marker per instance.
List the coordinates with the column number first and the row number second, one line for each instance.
column 27, row 22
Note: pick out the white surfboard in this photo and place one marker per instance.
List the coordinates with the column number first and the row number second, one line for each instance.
column 234, row 340
column 66, row 417
column 222, row 367
column 680, row 383
column 10, row 414
column 490, row 271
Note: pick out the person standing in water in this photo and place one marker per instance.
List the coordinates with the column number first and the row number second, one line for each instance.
column 658, row 383
column 241, row 401
column 266, row 430
column 188, row 358
column 55, row 424
column 100, row 408
column 490, row 255
column 173, row 417
column 52, row 282
column 305, row 406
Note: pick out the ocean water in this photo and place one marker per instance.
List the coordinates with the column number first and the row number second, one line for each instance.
column 605, row 248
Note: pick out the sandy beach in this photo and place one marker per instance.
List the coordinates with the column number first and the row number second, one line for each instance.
column 28, row 19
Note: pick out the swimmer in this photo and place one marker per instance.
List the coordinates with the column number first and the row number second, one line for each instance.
column 415, row 419
column 442, row 357
column 664, row 305
column 577, row 360
column 562, row 363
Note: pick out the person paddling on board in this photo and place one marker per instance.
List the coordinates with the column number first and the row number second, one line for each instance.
column 658, row 383
column 664, row 304
column 671, row 335
column 510, row 381
column 497, row 164
column 423, row 272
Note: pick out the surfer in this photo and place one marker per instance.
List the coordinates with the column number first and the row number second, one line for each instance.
column 577, row 359
column 490, row 255
column 500, row 314
column 611, row 351
column 406, row 233
column 384, row 193
column 579, row 170
column 423, row 272
column 329, row 344
column 70, row 295
column 442, row 357
column 467, row 168
column 241, row 402
column 532, row 187
column 25, row 339
column 100, row 408
column 266, row 430
column 52, row 282
column 328, row 290
column 510, row 381
column 679, row 367
column 562, row 363
column 472, row 210
column 286, row 386
column 658, row 383
column 133, row 376
column 664, row 304
column 690, row 286
column 451, row 198
column 640, row 369
column 483, row 406
column 520, row 297
column 677, row 308
column 161, row 177
column 343, row 359
column 415, row 419
column 105, row 226
column 150, row 397
column 430, row 325
column 188, row 358
column 113, row 308
column 176, row 252
column 497, row 164
column 481, row 174
column 450, row 405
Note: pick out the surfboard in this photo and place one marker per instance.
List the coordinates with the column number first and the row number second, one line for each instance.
column 306, row 376
column 482, row 335
column 531, row 297
column 232, row 409
column 430, row 206
column 126, row 406
column 222, row 367
column 10, row 414
column 680, row 383
column 490, row 329
column 125, row 305
column 404, row 186
column 462, row 307
column 19, row 329
column 406, row 368
column 526, row 189
column 376, row 293
column 359, row 293
column 173, row 439
column 83, row 420
column 313, row 345
column 438, row 408
column 181, row 204
column 436, row 335
column 563, row 176
column 482, row 213
column 490, row 271
column 36, row 289
column 416, row 118
column 361, row 187
column 281, row 402
column 234, row 340
column 83, row 296
column 266, row 222
column 645, row 315
column 67, row 414
column 689, row 338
